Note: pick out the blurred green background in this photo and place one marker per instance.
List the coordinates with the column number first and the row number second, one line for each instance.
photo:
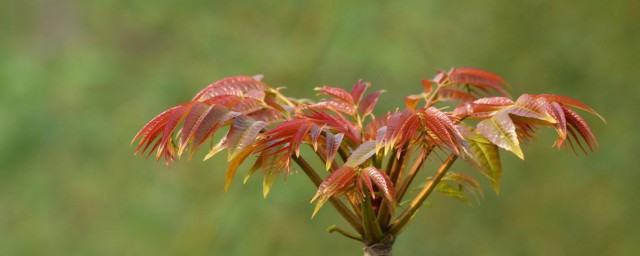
column 79, row 78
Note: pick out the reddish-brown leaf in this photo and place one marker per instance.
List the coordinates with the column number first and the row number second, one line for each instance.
column 338, row 94
column 333, row 144
column 235, row 85
column 561, row 125
column 336, row 106
column 383, row 182
column 530, row 106
column 575, row 122
column 412, row 101
column 358, row 90
column 217, row 117
column 369, row 103
column 451, row 94
column 482, row 108
column 243, row 132
column 571, row 102
column 337, row 182
column 478, row 78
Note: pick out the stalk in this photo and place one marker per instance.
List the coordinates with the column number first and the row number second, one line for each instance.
column 339, row 205
column 407, row 215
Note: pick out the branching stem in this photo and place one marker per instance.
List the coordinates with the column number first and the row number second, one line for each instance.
column 407, row 215
column 339, row 205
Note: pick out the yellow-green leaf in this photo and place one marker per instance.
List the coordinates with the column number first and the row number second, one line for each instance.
column 501, row 131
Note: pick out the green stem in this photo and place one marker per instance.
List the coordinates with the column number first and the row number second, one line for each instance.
column 407, row 215
column 372, row 230
column 412, row 173
column 384, row 215
column 343, row 232
column 339, row 205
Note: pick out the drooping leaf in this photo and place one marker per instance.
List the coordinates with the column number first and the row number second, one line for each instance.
column 361, row 154
column 530, row 106
column 337, row 182
column 243, row 132
column 451, row 94
column 234, row 163
column 216, row 117
column 479, row 78
column 561, row 125
column 575, row 123
column 501, row 131
column 383, row 182
column 333, row 144
column 571, row 102
column 235, row 85
column 191, row 123
column 487, row 158
column 482, row 108
column 336, row 123
column 464, row 183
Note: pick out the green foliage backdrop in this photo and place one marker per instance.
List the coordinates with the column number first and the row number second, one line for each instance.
column 79, row 78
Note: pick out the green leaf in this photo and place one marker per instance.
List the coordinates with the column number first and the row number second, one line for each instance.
column 361, row 154
column 487, row 157
column 501, row 131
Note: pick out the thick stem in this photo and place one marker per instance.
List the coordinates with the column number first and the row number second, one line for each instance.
column 381, row 248
column 408, row 214
column 340, row 207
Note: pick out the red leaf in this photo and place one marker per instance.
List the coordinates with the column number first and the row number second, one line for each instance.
column 333, row 144
column 337, row 182
column 336, row 106
column 191, row 123
column 482, row 108
column 412, row 101
column 450, row 94
column 369, row 103
column 532, row 107
column 571, row 102
column 478, row 78
column 235, row 85
column 575, row 122
column 243, row 132
column 383, row 182
column 358, row 90
column 338, row 94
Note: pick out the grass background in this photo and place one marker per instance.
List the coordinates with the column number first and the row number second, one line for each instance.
column 79, row 78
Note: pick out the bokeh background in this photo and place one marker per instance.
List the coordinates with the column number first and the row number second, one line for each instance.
column 79, row 78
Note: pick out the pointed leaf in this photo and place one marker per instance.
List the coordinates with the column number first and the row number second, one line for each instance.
column 358, row 90
column 369, row 103
column 243, row 132
column 361, row 154
column 487, row 157
column 333, row 144
column 383, row 182
column 338, row 93
column 571, row 102
column 501, row 131
column 532, row 107
column 337, row 182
